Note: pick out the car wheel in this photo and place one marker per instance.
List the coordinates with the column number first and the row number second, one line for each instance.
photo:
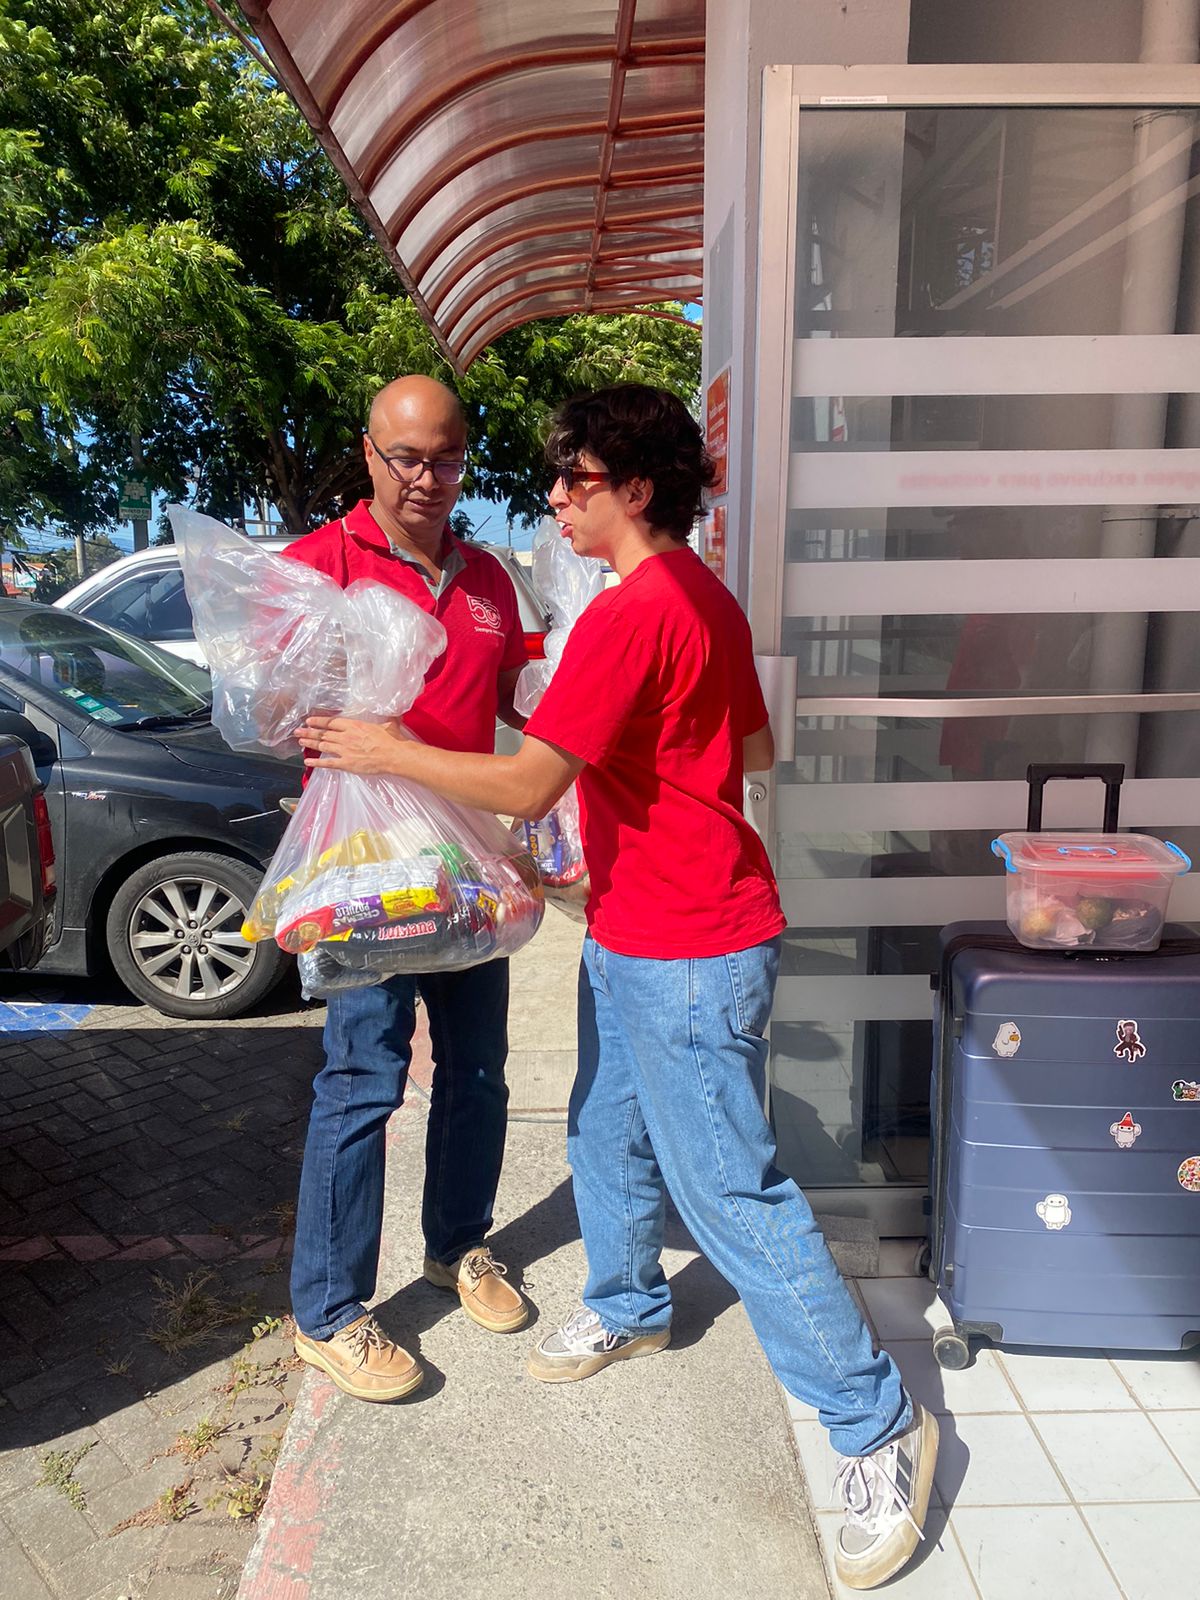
column 174, row 934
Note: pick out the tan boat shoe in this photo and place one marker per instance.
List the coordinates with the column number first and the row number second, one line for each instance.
column 363, row 1361
column 479, row 1280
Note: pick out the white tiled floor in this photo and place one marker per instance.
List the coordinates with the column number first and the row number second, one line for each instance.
column 1064, row 1476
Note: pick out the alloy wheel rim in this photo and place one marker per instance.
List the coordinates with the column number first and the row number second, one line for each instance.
column 186, row 941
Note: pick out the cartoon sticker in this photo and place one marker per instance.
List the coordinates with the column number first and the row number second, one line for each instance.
column 1007, row 1041
column 1125, row 1132
column 1128, row 1044
column 1182, row 1089
column 1054, row 1211
column 1189, row 1174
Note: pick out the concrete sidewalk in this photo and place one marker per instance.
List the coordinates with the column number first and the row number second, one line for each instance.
column 669, row 1477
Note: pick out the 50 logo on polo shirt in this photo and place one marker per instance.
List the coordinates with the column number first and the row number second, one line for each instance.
column 484, row 613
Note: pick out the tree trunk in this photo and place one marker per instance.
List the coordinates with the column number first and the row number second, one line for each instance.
column 286, row 482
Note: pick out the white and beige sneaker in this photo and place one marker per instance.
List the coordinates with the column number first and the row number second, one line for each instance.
column 886, row 1496
column 583, row 1345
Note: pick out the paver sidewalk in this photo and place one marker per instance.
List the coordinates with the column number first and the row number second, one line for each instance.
column 668, row 1477
column 147, row 1182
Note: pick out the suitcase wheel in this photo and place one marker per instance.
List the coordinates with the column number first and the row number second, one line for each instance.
column 922, row 1259
column 951, row 1350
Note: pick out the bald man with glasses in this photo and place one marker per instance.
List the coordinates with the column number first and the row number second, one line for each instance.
column 416, row 450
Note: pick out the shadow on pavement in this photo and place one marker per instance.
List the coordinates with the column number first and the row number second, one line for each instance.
column 148, row 1177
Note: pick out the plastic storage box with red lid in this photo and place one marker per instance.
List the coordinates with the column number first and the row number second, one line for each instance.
column 1100, row 891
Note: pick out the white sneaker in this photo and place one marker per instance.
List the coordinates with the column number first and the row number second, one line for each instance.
column 583, row 1345
column 886, row 1495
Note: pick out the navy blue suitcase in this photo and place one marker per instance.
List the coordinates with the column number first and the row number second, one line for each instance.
column 1065, row 1144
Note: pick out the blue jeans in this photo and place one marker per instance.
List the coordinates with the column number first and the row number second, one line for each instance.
column 368, row 1048
column 669, row 1100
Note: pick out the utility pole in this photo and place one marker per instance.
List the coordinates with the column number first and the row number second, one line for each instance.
column 80, row 556
column 141, row 525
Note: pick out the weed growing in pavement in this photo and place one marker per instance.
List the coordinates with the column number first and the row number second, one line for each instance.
column 245, row 1497
column 114, row 1366
column 190, row 1312
column 235, row 1123
column 173, row 1505
column 193, row 1443
column 243, row 1375
column 58, row 1472
column 236, row 1493
column 268, row 1455
column 177, row 1503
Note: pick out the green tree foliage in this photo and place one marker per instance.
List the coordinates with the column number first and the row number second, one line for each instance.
column 179, row 261
column 58, row 572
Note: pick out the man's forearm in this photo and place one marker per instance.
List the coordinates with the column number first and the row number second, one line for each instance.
column 487, row 782
column 524, row 785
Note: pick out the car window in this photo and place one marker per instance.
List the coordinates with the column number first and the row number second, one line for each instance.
column 149, row 605
column 108, row 677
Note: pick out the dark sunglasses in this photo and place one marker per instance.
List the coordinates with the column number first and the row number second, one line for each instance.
column 570, row 476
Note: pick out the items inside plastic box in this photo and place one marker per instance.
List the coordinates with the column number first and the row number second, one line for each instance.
column 1103, row 891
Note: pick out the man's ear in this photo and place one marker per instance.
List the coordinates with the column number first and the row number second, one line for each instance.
column 368, row 447
column 640, row 492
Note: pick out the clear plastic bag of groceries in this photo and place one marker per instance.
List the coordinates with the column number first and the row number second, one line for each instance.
column 565, row 584
column 374, row 876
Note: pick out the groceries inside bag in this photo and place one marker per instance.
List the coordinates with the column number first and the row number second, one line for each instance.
column 375, row 876
column 565, row 584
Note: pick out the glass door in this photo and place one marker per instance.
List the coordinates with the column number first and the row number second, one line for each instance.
column 976, row 534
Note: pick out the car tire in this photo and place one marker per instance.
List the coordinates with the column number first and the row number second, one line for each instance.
column 173, row 935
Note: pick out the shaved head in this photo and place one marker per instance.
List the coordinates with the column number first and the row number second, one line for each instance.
column 416, row 423
column 416, row 398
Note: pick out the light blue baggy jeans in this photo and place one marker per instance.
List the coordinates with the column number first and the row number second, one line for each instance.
column 668, row 1099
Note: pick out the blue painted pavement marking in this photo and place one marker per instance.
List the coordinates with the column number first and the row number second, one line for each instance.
column 31, row 1016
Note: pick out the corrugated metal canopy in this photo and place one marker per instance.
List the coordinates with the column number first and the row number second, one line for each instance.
column 516, row 159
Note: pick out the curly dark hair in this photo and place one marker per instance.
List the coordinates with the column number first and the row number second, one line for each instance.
column 639, row 432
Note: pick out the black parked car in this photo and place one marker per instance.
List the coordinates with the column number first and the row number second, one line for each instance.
column 161, row 831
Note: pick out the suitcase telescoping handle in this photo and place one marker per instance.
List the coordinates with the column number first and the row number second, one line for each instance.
column 1110, row 773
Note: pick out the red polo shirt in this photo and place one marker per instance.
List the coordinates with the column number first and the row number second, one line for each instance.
column 656, row 691
column 476, row 605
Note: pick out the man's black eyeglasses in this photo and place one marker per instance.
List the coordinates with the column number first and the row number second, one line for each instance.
column 570, row 476
column 407, row 469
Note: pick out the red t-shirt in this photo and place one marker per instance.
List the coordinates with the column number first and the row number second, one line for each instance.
column 656, row 690
column 477, row 607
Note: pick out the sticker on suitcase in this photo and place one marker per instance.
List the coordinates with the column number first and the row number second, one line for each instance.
column 1007, row 1041
column 1128, row 1042
column 1189, row 1174
column 1125, row 1132
column 1183, row 1089
column 1055, row 1211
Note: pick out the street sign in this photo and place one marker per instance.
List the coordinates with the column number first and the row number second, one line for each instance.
column 135, row 499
